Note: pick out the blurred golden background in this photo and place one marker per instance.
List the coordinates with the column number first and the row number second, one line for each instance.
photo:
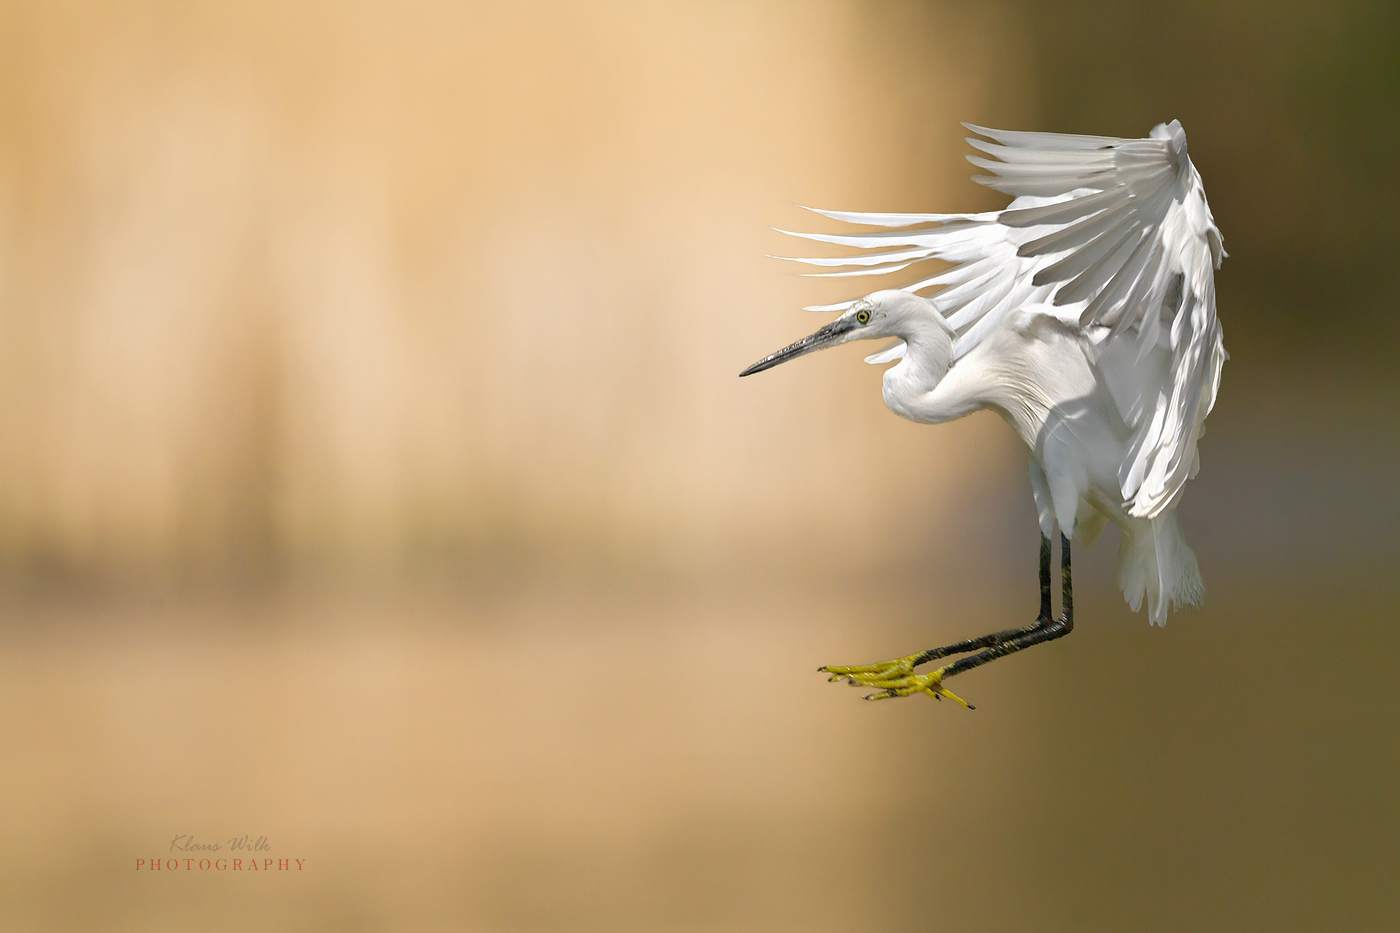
column 374, row 477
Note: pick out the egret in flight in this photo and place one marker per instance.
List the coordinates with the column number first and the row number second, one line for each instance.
column 1084, row 315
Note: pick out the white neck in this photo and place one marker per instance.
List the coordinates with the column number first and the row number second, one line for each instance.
column 909, row 385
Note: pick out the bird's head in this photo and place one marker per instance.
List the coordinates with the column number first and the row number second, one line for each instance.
column 891, row 313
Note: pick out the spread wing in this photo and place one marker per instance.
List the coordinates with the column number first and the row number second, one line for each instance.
column 1112, row 235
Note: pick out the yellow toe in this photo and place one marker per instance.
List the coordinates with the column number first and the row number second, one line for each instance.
column 895, row 679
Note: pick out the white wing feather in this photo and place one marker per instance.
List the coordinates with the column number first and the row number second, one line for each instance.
column 1112, row 234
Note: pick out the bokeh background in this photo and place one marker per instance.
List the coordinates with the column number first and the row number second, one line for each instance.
column 374, row 477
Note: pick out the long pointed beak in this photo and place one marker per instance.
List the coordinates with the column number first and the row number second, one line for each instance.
column 827, row 336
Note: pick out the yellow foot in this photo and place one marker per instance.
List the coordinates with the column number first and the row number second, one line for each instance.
column 895, row 679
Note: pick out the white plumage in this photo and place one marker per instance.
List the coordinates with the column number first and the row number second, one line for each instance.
column 1084, row 313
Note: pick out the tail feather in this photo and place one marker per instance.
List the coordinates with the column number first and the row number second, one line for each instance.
column 1155, row 561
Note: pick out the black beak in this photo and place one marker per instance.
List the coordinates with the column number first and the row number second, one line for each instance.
column 827, row 336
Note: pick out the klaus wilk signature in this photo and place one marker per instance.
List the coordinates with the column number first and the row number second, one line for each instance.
column 186, row 843
column 248, row 849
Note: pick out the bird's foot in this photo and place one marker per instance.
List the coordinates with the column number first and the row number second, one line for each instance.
column 895, row 679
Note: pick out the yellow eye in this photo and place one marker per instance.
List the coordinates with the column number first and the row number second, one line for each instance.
column 862, row 317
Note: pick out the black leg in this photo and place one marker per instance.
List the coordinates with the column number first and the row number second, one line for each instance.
column 996, row 638
column 1044, row 630
column 897, row 678
column 1044, row 580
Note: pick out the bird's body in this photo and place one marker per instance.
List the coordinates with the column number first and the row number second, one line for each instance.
column 1084, row 314
column 1052, row 386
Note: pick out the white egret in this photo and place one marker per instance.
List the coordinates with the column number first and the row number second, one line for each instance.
column 1083, row 314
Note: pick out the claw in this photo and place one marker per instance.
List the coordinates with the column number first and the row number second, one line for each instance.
column 943, row 691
